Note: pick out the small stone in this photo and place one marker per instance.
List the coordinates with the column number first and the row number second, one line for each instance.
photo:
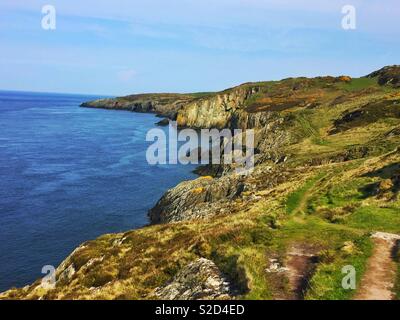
column 275, row 267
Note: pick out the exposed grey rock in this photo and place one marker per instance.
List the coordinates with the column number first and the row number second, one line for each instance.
column 275, row 267
column 386, row 236
column 193, row 199
column 207, row 196
column 164, row 122
column 215, row 111
column 162, row 104
column 199, row 280
column 67, row 274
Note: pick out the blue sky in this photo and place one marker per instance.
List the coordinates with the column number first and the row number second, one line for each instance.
column 122, row 47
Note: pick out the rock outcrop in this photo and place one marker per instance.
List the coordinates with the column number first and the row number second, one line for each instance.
column 164, row 104
column 215, row 111
column 200, row 280
column 196, row 199
column 389, row 75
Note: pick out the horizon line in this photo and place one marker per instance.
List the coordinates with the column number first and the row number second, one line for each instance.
column 164, row 92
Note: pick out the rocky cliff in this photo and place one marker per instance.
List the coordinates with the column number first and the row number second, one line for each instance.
column 326, row 176
column 216, row 111
column 163, row 104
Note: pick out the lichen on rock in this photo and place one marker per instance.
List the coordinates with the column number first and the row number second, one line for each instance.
column 198, row 280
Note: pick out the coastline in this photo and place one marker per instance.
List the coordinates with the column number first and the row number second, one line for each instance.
column 326, row 163
column 200, row 171
column 73, row 220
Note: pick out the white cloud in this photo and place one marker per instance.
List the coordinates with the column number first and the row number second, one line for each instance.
column 376, row 16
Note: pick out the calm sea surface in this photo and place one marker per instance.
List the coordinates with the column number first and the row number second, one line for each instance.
column 70, row 174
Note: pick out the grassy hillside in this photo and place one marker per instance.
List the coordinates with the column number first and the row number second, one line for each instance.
column 341, row 183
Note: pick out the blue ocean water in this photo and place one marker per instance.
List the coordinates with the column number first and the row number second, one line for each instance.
column 70, row 174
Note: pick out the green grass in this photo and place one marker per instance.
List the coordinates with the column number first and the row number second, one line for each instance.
column 240, row 254
column 343, row 193
column 311, row 130
column 202, row 94
column 349, row 198
column 252, row 255
column 358, row 84
column 295, row 199
column 305, row 126
column 373, row 218
column 313, row 230
column 326, row 284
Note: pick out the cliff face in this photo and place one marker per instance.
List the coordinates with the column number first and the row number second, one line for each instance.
column 279, row 112
column 215, row 111
column 202, row 110
column 163, row 104
column 196, row 199
column 326, row 175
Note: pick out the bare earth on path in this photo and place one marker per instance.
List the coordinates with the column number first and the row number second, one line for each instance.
column 378, row 280
column 300, row 266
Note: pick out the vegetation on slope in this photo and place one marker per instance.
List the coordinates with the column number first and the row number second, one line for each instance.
column 342, row 182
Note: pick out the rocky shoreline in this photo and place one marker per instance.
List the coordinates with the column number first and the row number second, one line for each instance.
column 218, row 186
column 313, row 138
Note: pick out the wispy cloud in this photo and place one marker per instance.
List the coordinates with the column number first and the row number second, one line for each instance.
column 186, row 45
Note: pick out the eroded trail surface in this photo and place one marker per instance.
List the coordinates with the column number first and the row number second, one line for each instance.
column 300, row 264
column 378, row 280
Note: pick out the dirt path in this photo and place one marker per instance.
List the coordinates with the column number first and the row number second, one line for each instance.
column 308, row 193
column 290, row 279
column 300, row 267
column 378, row 280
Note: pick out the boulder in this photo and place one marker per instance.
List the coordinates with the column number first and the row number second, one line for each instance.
column 199, row 280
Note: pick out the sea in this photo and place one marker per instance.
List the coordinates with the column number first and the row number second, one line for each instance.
column 70, row 174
